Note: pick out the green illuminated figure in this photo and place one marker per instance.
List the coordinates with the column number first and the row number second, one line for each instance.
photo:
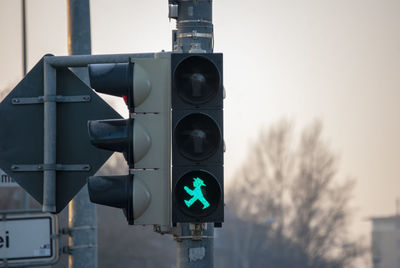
column 196, row 193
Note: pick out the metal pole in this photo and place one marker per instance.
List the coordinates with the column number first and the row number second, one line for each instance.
column 195, row 250
column 23, row 37
column 25, row 196
column 194, row 28
column 50, row 134
column 194, row 33
column 82, row 213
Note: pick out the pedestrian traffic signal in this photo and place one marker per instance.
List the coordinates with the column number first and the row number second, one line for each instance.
column 197, row 138
column 144, row 138
column 176, row 103
column 200, row 193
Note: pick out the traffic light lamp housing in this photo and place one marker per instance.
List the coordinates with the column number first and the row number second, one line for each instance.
column 145, row 138
column 197, row 81
column 128, row 80
column 120, row 192
column 113, row 191
column 197, row 138
column 113, row 135
column 175, row 128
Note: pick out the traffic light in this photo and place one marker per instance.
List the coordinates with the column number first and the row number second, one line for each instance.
column 144, row 138
column 175, row 128
column 197, row 138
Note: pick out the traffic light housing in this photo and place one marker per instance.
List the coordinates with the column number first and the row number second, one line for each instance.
column 144, row 138
column 174, row 134
column 197, row 138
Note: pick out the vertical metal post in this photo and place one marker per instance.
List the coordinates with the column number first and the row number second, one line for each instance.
column 195, row 251
column 194, row 28
column 194, row 34
column 23, row 5
column 50, row 133
column 82, row 213
column 79, row 39
column 25, row 196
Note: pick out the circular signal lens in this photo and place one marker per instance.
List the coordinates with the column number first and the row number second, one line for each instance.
column 197, row 193
column 197, row 136
column 197, row 80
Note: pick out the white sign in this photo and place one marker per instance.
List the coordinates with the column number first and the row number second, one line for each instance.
column 28, row 239
column 6, row 181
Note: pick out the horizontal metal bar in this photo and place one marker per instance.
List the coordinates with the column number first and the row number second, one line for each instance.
column 58, row 98
column 84, row 60
column 42, row 167
column 20, row 211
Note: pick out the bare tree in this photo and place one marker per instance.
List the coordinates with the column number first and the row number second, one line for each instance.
column 291, row 189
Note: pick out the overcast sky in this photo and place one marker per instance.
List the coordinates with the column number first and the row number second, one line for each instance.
column 333, row 60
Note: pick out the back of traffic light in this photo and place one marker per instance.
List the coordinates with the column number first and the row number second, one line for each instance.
column 144, row 138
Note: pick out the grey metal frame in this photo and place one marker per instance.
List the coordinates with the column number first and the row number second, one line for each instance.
column 50, row 124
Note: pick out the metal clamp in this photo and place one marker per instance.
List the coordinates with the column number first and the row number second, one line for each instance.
column 55, row 236
column 192, row 237
column 57, row 167
column 195, row 21
column 70, row 231
column 70, row 249
column 195, row 35
column 196, row 230
column 173, row 11
column 57, row 98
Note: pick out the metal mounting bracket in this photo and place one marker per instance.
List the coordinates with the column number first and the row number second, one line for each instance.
column 57, row 167
column 196, row 230
column 70, row 249
column 43, row 99
column 69, row 231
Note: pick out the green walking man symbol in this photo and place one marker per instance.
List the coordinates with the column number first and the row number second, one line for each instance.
column 196, row 193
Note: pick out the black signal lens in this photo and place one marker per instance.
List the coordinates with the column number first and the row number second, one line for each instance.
column 197, row 80
column 197, row 136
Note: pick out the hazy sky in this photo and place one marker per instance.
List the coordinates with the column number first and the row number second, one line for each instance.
column 333, row 60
